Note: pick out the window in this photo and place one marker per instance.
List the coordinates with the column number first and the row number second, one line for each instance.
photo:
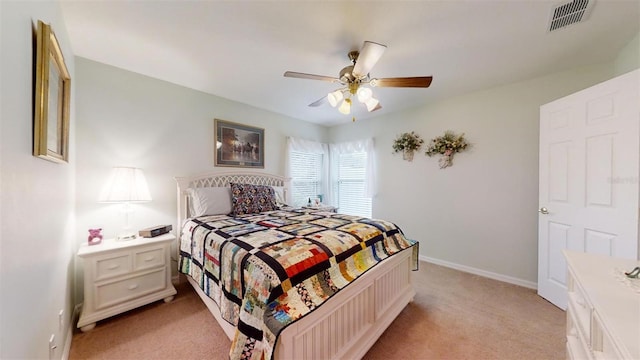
column 306, row 176
column 353, row 176
column 307, row 166
column 343, row 174
column 351, row 184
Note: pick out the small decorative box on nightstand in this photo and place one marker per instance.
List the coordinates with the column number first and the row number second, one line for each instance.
column 123, row 275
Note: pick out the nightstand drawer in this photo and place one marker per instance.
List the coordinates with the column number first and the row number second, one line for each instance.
column 148, row 258
column 124, row 290
column 113, row 265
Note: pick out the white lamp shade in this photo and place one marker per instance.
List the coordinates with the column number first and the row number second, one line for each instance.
column 125, row 184
column 364, row 94
column 371, row 104
column 345, row 107
column 335, row 97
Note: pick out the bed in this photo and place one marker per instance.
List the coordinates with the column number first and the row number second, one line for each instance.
column 287, row 283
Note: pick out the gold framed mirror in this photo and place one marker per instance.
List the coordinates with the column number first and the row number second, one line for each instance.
column 52, row 98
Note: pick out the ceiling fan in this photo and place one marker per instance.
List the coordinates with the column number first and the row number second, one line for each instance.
column 356, row 81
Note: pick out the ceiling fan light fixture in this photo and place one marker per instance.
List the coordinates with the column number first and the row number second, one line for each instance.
column 335, row 97
column 357, row 83
column 371, row 104
column 364, row 94
column 345, row 107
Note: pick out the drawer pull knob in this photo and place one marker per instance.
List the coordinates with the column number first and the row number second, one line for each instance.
column 133, row 287
column 113, row 266
column 149, row 259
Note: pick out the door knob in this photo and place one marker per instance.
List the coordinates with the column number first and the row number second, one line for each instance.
column 543, row 210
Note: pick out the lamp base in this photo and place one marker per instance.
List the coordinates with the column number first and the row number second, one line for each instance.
column 126, row 236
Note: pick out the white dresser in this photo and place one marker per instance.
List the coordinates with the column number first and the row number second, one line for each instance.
column 122, row 275
column 603, row 312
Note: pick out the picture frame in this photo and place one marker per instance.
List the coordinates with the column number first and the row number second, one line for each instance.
column 52, row 98
column 238, row 145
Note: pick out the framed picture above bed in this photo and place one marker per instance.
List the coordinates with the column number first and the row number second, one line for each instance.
column 238, row 145
column 52, row 97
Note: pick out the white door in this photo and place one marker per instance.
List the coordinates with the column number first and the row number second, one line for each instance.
column 588, row 197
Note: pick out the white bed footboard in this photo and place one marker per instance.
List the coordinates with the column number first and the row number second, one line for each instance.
column 348, row 324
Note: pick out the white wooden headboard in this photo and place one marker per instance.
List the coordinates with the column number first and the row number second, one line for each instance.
column 223, row 179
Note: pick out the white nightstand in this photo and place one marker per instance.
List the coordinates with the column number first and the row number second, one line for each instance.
column 123, row 275
column 328, row 208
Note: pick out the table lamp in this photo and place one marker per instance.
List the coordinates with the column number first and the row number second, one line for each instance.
column 126, row 185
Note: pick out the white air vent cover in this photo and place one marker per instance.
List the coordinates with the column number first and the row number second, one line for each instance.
column 570, row 13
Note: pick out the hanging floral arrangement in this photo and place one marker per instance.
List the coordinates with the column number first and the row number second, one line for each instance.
column 446, row 145
column 407, row 143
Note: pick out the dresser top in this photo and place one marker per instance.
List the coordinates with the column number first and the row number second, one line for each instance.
column 615, row 298
column 113, row 244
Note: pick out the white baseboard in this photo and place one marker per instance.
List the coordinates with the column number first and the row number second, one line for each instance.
column 72, row 323
column 479, row 272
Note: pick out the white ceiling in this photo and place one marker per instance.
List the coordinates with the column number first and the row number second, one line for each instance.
column 239, row 50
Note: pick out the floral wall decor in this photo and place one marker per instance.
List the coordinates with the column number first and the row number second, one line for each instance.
column 407, row 143
column 446, row 145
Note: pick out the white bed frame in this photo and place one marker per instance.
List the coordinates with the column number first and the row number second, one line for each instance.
column 346, row 325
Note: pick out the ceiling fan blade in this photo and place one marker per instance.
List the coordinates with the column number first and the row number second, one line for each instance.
column 369, row 56
column 319, row 102
column 293, row 74
column 416, row 81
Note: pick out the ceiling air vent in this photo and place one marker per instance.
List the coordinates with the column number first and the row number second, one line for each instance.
column 570, row 13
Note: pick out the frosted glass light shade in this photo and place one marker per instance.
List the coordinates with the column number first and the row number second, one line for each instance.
column 335, row 97
column 125, row 184
column 345, row 108
column 371, row 104
column 364, row 94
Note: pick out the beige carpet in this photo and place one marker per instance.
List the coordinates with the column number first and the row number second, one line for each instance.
column 455, row 315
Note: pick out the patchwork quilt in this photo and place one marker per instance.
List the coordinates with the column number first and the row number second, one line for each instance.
column 267, row 270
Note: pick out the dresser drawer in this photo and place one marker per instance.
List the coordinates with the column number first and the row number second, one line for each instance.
column 579, row 308
column 576, row 349
column 112, row 265
column 577, row 342
column 109, row 294
column 148, row 258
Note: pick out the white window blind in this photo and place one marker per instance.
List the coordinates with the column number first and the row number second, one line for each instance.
column 306, row 176
column 351, row 184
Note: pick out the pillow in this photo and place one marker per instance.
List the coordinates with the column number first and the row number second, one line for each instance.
column 209, row 201
column 279, row 190
column 252, row 199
